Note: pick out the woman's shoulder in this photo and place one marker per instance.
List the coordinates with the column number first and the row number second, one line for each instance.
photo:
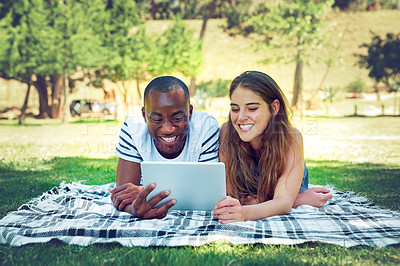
column 297, row 135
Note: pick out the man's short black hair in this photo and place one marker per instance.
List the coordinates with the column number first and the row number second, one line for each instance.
column 166, row 84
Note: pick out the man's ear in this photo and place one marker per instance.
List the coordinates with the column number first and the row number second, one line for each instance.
column 275, row 106
column 144, row 114
column 190, row 111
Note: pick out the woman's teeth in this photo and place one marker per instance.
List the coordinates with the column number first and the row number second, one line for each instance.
column 168, row 140
column 246, row 127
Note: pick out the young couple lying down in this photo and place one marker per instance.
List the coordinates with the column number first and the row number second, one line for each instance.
column 262, row 151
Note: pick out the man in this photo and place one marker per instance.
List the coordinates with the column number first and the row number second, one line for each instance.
column 171, row 131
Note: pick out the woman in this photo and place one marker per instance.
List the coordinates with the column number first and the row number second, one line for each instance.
column 263, row 154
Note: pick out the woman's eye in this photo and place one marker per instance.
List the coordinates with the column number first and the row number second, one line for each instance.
column 253, row 108
column 234, row 110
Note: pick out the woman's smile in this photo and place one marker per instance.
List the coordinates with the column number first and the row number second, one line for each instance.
column 246, row 127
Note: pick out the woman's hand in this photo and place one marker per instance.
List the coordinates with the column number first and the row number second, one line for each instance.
column 229, row 210
column 315, row 196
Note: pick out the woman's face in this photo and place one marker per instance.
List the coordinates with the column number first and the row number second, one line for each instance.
column 250, row 115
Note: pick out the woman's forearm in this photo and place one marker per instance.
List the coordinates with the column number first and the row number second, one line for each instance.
column 266, row 209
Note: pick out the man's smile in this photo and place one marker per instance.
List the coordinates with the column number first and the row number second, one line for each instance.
column 169, row 140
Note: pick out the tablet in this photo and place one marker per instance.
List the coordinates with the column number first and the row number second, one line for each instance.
column 194, row 185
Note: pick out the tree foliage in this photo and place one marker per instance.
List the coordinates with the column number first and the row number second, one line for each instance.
column 180, row 51
column 48, row 39
column 45, row 42
column 285, row 26
column 383, row 60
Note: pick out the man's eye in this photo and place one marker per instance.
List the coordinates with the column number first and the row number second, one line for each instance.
column 177, row 119
column 155, row 120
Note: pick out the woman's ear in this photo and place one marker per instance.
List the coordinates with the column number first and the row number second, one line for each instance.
column 275, row 106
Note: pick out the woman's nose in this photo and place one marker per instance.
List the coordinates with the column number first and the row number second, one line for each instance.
column 242, row 115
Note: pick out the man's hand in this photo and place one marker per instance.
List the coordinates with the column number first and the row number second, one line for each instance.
column 124, row 195
column 315, row 196
column 229, row 210
column 146, row 210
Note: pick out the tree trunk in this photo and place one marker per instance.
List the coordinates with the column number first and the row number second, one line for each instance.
column 25, row 105
column 41, row 87
column 298, row 84
column 376, row 89
column 125, row 99
column 65, row 111
column 210, row 14
column 192, row 86
column 138, row 86
column 154, row 9
column 56, row 95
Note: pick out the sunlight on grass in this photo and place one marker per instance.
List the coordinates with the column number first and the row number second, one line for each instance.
column 358, row 154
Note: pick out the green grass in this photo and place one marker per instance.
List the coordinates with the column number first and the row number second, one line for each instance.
column 220, row 253
column 358, row 154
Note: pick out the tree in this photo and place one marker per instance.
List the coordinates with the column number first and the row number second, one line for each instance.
column 23, row 30
column 179, row 50
column 139, row 56
column 382, row 61
column 123, row 35
column 209, row 13
column 49, row 40
column 286, row 26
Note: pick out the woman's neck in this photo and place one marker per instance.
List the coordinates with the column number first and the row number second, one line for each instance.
column 256, row 145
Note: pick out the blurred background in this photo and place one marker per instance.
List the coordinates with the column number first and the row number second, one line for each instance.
column 71, row 59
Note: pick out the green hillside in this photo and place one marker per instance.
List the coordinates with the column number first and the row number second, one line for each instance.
column 226, row 57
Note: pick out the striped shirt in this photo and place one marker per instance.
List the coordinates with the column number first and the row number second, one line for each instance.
column 136, row 145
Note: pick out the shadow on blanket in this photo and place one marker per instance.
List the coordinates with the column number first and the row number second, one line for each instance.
column 84, row 215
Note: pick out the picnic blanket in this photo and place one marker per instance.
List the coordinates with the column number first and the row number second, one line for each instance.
column 83, row 215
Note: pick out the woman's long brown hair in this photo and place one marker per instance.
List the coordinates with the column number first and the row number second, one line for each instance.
column 247, row 175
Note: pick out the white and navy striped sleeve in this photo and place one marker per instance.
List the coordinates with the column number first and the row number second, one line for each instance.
column 210, row 144
column 126, row 148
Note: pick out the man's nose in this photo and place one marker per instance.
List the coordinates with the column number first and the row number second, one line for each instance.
column 168, row 127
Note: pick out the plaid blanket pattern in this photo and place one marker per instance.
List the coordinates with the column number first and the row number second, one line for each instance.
column 83, row 215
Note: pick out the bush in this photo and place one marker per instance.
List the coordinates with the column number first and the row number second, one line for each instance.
column 218, row 88
column 356, row 86
column 208, row 89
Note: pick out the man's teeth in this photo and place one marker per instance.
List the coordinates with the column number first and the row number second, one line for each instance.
column 171, row 139
column 245, row 127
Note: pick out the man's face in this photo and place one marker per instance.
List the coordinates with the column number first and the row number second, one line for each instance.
column 167, row 116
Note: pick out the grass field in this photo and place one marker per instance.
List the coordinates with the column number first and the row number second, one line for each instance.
column 359, row 154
